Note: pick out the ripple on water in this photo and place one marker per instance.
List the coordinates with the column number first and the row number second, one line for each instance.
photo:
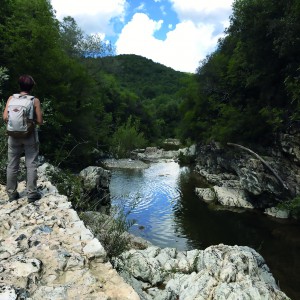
column 151, row 197
column 169, row 214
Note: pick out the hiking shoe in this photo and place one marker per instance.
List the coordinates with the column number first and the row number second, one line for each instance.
column 34, row 197
column 14, row 196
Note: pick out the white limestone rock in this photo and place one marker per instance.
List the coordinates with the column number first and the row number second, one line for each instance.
column 124, row 164
column 218, row 272
column 8, row 293
column 277, row 213
column 94, row 249
column 206, row 194
column 231, row 197
column 46, row 252
column 95, row 177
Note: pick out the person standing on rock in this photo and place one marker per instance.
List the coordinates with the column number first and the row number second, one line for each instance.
column 23, row 140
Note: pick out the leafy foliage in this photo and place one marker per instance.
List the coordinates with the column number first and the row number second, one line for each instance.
column 111, row 230
column 127, row 138
column 142, row 76
column 3, row 142
column 293, row 206
column 156, row 89
column 248, row 89
column 67, row 184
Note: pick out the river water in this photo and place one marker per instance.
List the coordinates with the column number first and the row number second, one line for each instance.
column 167, row 212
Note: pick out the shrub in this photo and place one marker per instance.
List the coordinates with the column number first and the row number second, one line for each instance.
column 293, row 206
column 3, row 141
column 127, row 138
column 111, row 230
column 66, row 183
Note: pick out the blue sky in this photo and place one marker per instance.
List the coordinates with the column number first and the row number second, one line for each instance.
column 176, row 33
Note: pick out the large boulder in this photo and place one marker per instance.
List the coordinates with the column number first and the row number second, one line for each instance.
column 255, row 180
column 231, row 197
column 218, row 272
column 95, row 187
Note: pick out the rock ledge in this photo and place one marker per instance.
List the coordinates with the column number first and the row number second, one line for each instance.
column 46, row 252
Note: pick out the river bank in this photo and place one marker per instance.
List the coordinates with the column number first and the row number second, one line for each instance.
column 46, row 252
column 170, row 215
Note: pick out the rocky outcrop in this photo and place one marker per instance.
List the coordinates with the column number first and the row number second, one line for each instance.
column 153, row 154
column 289, row 144
column 240, row 179
column 218, row 272
column 46, row 251
column 95, row 186
column 124, row 164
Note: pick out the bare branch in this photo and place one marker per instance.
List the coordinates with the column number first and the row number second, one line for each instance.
column 84, row 142
column 263, row 161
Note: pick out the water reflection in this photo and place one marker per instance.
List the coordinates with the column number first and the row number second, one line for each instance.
column 169, row 214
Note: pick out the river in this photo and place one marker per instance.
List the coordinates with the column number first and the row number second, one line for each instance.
column 167, row 212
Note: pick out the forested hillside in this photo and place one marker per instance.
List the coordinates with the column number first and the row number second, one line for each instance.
column 249, row 88
column 157, row 88
column 143, row 76
column 91, row 99
column 246, row 91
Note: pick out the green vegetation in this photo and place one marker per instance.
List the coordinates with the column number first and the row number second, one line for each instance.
column 88, row 94
column 246, row 91
column 67, row 184
column 127, row 138
column 293, row 206
column 112, row 231
column 3, row 141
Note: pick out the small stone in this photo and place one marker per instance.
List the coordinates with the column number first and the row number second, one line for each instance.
column 6, row 225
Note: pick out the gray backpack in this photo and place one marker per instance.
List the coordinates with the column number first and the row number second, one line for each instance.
column 20, row 116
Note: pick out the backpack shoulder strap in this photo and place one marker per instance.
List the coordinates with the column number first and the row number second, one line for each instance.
column 29, row 97
column 32, row 98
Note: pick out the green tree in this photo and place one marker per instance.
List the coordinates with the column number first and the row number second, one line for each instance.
column 71, row 37
column 248, row 88
column 127, row 138
column 35, row 43
column 3, row 141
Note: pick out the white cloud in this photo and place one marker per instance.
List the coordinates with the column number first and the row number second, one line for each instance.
column 184, row 7
column 141, row 7
column 201, row 23
column 182, row 49
column 205, row 11
column 137, row 37
column 91, row 15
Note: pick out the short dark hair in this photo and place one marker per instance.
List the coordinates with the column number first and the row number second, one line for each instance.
column 26, row 83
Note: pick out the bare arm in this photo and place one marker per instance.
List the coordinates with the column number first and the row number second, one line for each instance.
column 5, row 114
column 38, row 111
